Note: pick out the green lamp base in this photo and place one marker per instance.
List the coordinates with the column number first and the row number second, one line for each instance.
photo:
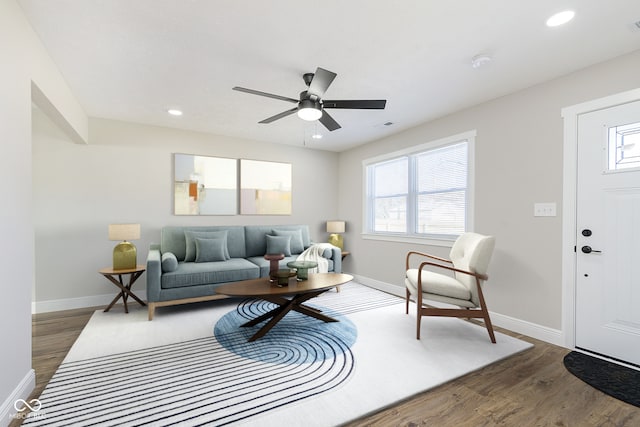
column 124, row 256
column 336, row 240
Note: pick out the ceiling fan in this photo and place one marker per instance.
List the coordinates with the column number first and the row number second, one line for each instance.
column 310, row 106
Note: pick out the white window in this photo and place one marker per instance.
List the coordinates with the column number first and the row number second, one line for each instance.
column 424, row 192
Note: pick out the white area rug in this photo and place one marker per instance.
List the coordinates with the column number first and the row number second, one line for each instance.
column 125, row 370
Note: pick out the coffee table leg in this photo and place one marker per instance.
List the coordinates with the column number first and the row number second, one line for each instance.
column 265, row 316
column 314, row 313
column 285, row 306
column 271, row 323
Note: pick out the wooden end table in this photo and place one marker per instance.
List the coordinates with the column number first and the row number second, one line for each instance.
column 125, row 289
column 299, row 292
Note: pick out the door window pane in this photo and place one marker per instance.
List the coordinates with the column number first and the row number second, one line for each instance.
column 624, row 147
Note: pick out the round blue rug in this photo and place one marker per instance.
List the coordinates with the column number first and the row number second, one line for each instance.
column 296, row 339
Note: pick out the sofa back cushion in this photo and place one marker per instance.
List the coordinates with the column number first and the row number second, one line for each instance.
column 172, row 239
column 256, row 239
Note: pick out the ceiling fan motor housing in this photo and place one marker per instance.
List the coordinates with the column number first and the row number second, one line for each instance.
column 307, row 77
column 309, row 103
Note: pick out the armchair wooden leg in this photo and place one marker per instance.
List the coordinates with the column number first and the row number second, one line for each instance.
column 489, row 326
column 407, row 300
column 485, row 313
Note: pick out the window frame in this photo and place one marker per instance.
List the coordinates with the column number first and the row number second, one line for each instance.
column 410, row 236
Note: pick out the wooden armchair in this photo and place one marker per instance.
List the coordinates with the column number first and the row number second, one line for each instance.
column 468, row 263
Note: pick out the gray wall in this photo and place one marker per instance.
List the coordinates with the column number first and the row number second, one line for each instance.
column 518, row 162
column 25, row 64
column 125, row 174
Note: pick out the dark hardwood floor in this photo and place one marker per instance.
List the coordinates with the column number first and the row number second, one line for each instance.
column 529, row 389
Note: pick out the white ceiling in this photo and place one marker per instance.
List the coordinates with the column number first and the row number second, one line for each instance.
column 132, row 60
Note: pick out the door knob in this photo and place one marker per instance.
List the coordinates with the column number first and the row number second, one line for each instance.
column 586, row 232
column 588, row 250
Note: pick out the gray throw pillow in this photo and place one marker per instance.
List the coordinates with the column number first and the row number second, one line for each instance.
column 169, row 262
column 279, row 245
column 190, row 237
column 296, row 239
column 208, row 250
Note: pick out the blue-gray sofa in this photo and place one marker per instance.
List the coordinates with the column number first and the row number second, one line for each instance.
column 190, row 262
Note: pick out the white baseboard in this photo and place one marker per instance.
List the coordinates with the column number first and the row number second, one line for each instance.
column 8, row 411
column 81, row 302
column 533, row 330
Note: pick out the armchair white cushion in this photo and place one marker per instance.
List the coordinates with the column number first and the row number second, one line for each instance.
column 458, row 280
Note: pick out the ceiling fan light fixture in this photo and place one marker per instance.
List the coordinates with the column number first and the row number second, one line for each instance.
column 309, row 110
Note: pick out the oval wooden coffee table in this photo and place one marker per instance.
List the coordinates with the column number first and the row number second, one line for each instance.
column 316, row 284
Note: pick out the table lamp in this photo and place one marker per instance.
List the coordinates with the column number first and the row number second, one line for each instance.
column 335, row 228
column 124, row 254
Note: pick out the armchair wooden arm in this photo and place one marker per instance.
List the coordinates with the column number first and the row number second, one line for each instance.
column 425, row 255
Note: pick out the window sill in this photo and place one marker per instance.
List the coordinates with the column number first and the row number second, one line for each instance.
column 444, row 242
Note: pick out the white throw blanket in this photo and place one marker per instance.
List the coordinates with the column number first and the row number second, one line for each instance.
column 314, row 253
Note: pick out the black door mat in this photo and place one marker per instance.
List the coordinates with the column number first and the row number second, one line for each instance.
column 615, row 380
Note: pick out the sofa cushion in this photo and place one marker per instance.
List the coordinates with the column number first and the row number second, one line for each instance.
column 210, row 250
column 169, row 262
column 172, row 239
column 279, row 245
column 256, row 243
column 190, row 238
column 296, row 239
column 203, row 273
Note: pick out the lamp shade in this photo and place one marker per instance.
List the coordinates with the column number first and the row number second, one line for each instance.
column 335, row 226
column 124, row 231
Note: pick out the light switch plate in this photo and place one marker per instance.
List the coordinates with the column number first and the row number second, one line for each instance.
column 544, row 209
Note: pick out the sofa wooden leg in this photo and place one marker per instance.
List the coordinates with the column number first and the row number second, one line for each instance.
column 152, row 309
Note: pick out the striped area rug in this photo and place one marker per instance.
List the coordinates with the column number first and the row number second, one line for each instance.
column 200, row 382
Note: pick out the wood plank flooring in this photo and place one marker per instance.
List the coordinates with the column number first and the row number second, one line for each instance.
column 530, row 389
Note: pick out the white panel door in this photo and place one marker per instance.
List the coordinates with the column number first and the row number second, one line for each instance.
column 608, row 233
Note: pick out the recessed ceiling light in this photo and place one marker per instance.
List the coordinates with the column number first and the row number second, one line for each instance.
column 560, row 18
column 316, row 136
column 174, row 112
column 480, row 60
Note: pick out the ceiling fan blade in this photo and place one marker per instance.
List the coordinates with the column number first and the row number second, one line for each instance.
column 361, row 104
column 279, row 116
column 321, row 81
column 328, row 122
column 268, row 95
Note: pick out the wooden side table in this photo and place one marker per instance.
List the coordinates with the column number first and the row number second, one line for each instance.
column 345, row 254
column 125, row 289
